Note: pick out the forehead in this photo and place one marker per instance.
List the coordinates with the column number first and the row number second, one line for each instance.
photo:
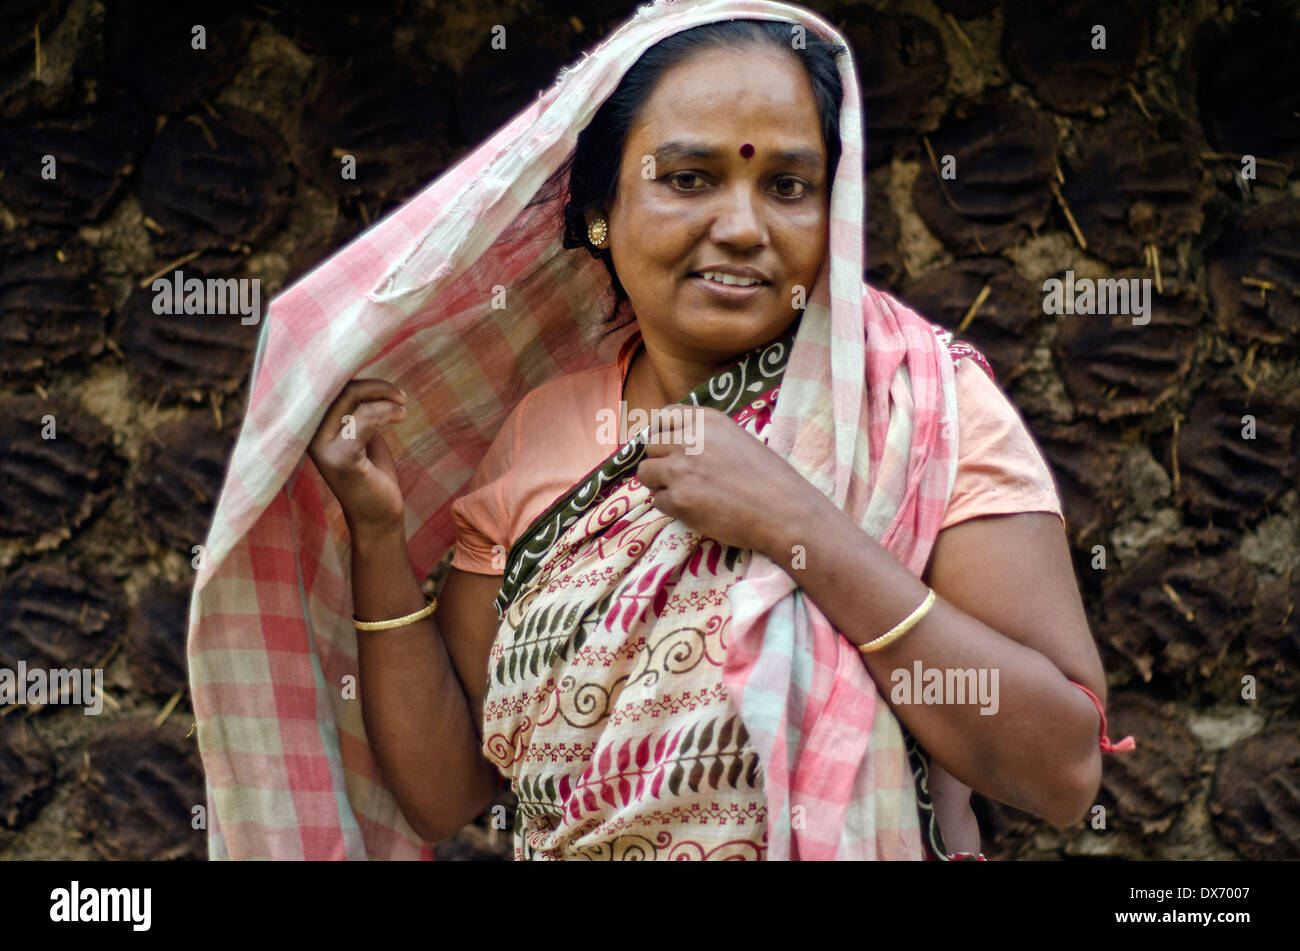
column 746, row 94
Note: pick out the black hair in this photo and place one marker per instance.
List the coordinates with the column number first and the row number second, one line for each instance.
column 590, row 174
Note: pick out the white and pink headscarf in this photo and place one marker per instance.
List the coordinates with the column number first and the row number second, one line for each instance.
column 867, row 414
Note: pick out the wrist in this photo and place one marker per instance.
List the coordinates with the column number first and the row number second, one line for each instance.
column 376, row 536
column 793, row 529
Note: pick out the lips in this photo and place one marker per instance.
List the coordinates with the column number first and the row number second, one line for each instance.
column 732, row 276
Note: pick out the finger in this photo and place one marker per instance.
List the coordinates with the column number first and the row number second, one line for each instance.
column 360, row 391
column 650, row 473
column 357, row 428
column 667, row 421
column 657, row 450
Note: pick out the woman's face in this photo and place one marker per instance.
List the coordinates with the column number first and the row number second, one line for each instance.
column 725, row 168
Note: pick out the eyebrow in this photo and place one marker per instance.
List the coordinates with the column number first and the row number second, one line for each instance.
column 677, row 151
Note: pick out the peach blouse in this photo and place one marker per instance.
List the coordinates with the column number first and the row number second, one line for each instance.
column 550, row 441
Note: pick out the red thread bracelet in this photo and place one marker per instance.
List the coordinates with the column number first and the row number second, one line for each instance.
column 1126, row 745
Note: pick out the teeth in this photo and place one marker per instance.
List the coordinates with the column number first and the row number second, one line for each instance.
column 729, row 278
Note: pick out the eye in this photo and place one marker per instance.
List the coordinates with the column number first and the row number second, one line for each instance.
column 787, row 180
column 676, row 177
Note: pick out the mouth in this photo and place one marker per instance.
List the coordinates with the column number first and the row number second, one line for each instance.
column 731, row 280
column 729, row 288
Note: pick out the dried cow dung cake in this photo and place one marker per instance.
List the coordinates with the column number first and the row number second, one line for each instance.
column 1063, row 59
column 328, row 236
column 192, row 355
column 19, row 21
column 377, row 124
column 1273, row 635
column 966, row 9
column 1135, row 184
column 214, row 181
column 1237, row 449
column 498, row 81
column 155, row 640
column 1253, row 800
column 1004, row 325
column 27, row 771
column 51, row 307
column 137, row 795
column 70, row 166
column 1143, row 791
column 52, row 485
column 174, row 54
column 1085, row 465
column 332, row 26
column 58, row 616
column 1248, row 85
column 1003, row 829
column 903, row 73
column 1254, row 275
column 881, row 255
column 1117, row 365
column 1178, row 608
column 179, row 477
column 1003, row 160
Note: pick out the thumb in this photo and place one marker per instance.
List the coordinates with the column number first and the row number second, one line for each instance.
column 381, row 456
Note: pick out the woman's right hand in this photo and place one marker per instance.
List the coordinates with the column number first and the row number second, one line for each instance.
column 351, row 455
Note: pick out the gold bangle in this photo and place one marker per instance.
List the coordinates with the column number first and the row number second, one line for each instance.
column 903, row 626
column 419, row 615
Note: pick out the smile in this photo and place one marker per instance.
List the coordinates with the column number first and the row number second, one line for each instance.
column 730, row 279
column 729, row 289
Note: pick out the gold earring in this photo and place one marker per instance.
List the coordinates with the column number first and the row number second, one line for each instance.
column 597, row 230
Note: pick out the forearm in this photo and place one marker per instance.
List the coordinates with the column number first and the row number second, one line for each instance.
column 415, row 710
column 1035, row 747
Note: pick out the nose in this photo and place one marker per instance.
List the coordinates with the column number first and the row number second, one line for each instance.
column 740, row 220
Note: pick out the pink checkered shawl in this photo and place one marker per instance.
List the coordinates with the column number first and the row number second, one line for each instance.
column 868, row 417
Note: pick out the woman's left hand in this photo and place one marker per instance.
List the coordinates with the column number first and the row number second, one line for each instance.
column 721, row 481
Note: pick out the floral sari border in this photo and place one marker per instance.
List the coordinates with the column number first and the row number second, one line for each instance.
column 728, row 391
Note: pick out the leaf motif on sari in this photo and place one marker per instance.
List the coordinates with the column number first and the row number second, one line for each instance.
column 715, row 772
column 693, row 563
column 675, row 779
column 733, row 771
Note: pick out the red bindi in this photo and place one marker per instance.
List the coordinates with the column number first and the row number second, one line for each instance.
column 746, row 150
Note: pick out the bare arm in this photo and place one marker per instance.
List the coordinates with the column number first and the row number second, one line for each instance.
column 1007, row 602
column 422, row 724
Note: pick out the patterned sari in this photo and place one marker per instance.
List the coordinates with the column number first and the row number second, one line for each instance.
column 605, row 703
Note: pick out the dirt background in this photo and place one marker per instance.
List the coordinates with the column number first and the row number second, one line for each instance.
column 1200, row 531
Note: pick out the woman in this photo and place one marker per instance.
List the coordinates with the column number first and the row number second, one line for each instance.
column 678, row 645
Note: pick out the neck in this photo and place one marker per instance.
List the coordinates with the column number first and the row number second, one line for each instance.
column 656, row 379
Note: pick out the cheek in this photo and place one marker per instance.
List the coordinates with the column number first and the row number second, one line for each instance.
column 806, row 242
column 656, row 233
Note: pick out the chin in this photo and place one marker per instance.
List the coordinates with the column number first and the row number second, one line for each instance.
column 734, row 332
